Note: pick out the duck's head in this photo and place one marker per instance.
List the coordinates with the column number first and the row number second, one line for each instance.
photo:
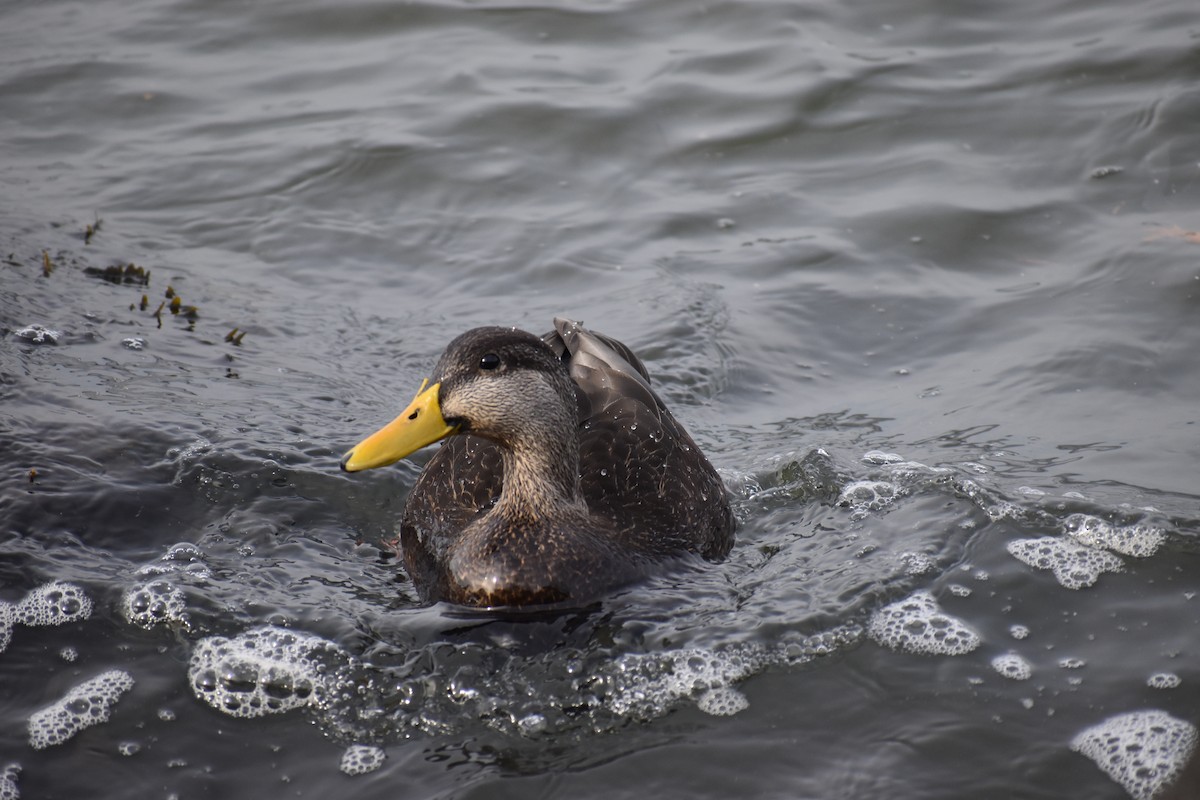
column 500, row 383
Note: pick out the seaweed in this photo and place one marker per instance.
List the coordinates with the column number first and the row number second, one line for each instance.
column 91, row 230
column 120, row 273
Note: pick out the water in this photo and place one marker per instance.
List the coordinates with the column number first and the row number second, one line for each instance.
column 921, row 280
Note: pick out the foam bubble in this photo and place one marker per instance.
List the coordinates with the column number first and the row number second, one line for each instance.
column 1018, row 631
column 1163, row 680
column 1012, row 666
column 863, row 497
column 723, row 701
column 1136, row 540
column 8, row 782
column 6, row 624
column 154, row 603
column 267, row 670
column 532, row 724
column 184, row 557
column 359, row 759
column 917, row 563
column 647, row 684
column 1074, row 565
column 39, row 334
column 54, row 603
column 87, row 704
column 1143, row 751
column 918, row 625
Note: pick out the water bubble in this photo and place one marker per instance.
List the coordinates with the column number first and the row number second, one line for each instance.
column 1012, row 666
column 1137, row 540
column 154, row 603
column 39, row 334
column 1143, row 751
column 1163, row 680
column 267, row 670
column 54, row 603
column 918, row 625
column 1075, row 566
column 359, row 759
column 8, row 782
column 87, row 704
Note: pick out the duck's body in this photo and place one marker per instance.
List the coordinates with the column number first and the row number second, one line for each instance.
column 568, row 478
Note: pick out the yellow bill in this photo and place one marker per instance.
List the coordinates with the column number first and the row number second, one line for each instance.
column 418, row 425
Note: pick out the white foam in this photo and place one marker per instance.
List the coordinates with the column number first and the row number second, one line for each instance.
column 723, row 701
column 359, row 759
column 184, row 557
column 917, row 563
column 647, row 684
column 54, row 603
column 918, row 625
column 6, row 624
column 39, row 334
column 267, row 670
column 8, row 782
column 532, row 724
column 1074, row 565
column 1018, row 632
column 1143, row 751
column 1012, row 666
column 1163, row 680
column 155, row 603
column 1136, row 540
column 863, row 497
column 87, row 704
column 879, row 458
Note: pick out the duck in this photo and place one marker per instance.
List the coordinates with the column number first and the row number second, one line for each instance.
column 562, row 478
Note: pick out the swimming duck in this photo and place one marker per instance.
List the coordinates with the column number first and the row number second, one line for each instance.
column 562, row 478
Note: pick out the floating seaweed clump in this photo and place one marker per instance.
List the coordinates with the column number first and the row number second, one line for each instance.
column 121, row 273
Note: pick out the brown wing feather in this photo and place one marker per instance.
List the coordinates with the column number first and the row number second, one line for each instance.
column 638, row 467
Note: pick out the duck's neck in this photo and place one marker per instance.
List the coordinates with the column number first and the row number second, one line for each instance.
column 541, row 479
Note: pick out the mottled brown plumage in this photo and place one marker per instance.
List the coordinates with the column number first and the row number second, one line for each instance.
column 568, row 476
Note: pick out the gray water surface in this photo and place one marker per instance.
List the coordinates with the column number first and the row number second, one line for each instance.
column 922, row 280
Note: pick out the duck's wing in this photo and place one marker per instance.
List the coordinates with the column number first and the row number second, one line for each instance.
column 605, row 370
column 639, row 468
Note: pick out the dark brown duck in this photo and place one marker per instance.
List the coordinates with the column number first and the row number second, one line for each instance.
column 563, row 478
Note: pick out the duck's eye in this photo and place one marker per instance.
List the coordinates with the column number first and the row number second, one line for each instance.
column 489, row 361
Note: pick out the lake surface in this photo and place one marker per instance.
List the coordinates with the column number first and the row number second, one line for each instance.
column 922, row 279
